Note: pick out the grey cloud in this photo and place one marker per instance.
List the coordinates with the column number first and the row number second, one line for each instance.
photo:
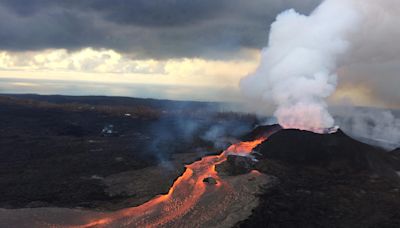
column 381, row 78
column 140, row 12
column 56, row 29
column 157, row 29
column 374, row 61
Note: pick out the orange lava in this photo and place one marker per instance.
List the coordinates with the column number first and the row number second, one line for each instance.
column 186, row 191
column 244, row 147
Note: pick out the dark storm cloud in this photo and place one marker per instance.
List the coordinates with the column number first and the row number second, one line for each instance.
column 157, row 28
column 157, row 13
column 139, row 12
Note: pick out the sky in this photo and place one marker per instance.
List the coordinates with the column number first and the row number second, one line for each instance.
column 176, row 49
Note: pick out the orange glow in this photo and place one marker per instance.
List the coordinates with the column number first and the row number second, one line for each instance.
column 184, row 194
column 244, row 147
column 98, row 223
column 255, row 172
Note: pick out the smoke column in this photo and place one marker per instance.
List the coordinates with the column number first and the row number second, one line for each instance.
column 297, row 68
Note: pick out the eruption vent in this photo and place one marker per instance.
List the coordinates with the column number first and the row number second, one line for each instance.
column 297, row 69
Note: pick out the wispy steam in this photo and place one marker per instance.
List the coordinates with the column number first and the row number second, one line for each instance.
column 297, row 69
column 374, row 126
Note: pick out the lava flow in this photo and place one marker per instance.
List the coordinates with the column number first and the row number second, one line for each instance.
column 182, row 197
column 190, row 202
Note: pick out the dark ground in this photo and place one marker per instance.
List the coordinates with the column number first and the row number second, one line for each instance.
column 327, row 181
column 53, row 153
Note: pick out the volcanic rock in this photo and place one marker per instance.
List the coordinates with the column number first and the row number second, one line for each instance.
column 210, row 180
column 336, row 151
column 237, row 165
column 241, row 164
column 327, row 180
column 50, row 147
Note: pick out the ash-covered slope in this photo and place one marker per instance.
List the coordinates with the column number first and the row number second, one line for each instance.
column 335, row 151
column 327, row 180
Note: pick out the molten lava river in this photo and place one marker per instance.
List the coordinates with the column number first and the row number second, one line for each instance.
column 190, row 202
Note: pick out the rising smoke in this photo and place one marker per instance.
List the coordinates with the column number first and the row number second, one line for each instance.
column 374, row 126
column 297, row 68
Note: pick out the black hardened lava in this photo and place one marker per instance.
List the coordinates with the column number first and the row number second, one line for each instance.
column 328, row 180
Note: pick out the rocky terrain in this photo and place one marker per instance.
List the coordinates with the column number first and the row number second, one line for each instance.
column 105, row 154
column 56, row 151
column 327, row 181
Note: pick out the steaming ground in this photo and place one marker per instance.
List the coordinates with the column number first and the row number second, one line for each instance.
column 41, row 135
column 222, row 205
column 54, row 154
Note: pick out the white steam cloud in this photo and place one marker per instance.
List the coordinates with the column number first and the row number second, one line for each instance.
column 374, row 126
column 297, row 69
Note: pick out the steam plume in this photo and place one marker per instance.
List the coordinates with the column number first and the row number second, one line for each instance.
column 297, row 69
column 374, row 126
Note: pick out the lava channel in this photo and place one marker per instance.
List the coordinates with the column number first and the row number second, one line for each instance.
column 182, row 197
column 189, row 203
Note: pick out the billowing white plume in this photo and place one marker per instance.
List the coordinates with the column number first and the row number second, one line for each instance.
column 297, row 69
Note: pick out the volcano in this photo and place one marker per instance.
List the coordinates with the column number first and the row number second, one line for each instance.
column 272, row 177
column 327, row 180
column 331, row 151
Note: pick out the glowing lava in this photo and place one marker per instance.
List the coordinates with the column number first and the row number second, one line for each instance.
column 189, row 203
column 182, row 197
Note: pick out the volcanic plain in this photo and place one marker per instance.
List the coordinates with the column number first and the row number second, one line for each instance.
column 104, row 154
